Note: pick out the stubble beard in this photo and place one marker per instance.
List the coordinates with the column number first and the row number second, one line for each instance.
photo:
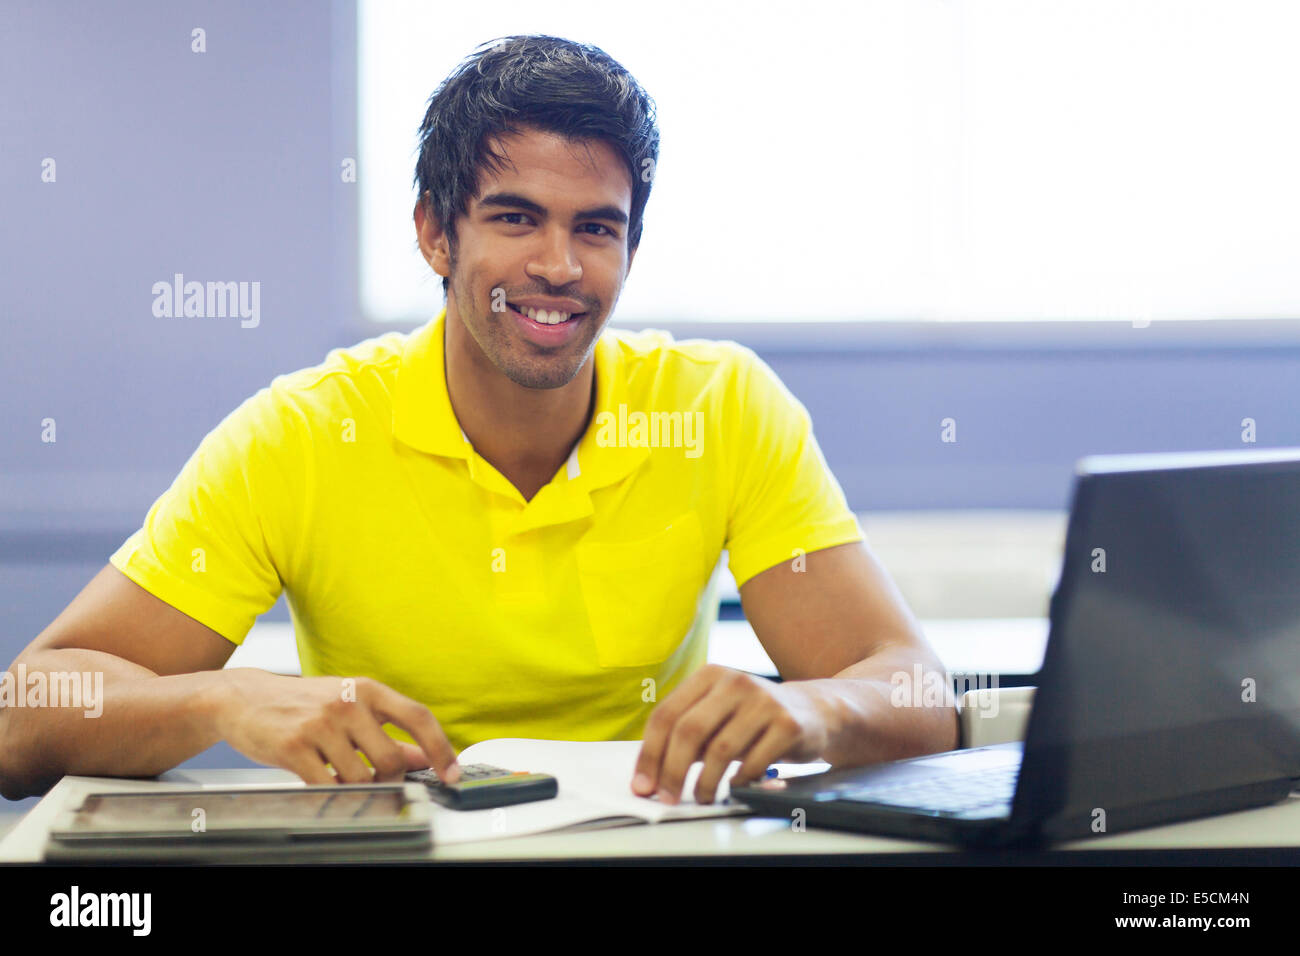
column 521, row 362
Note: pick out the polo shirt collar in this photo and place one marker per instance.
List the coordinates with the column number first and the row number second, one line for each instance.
column 423, row 419
column 422, row 414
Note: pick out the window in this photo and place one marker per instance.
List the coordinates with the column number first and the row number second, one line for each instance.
column 910, row 160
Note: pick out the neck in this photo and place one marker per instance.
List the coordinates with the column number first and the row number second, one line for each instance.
column 525, row 433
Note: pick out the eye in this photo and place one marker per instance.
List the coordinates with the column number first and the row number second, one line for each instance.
column 607, row 232
column 508, row 215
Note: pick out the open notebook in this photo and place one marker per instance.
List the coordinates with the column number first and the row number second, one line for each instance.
column 595, row 790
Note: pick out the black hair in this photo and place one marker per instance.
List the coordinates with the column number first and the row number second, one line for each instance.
column 559, row 86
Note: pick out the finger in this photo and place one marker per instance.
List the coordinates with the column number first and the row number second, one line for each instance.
column 731, row 742
column 775, row 743
column 307, row 763
column 380, row 749
column 689, row 737
column 415, row 757
column 645, row 779
column 339, row 750
column 391, row 707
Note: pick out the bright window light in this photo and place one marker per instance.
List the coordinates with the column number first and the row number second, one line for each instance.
column 914, row 159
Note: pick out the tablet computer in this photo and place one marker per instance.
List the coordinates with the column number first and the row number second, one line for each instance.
column 362, row 820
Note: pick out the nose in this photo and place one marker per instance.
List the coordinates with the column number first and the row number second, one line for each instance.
column 554, row 260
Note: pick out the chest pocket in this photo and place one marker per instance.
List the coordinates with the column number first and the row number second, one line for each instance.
column 642, row 596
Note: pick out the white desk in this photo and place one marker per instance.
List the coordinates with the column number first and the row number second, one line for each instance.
column 1274, row 826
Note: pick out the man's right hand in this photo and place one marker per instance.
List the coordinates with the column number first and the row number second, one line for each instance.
column 304, row 724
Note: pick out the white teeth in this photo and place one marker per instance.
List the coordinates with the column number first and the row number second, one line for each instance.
column 544, row 317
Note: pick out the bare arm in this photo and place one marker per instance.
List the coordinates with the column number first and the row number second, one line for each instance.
column 842, row 631
column 166, row 698
column 839, row 633
column 159, row 668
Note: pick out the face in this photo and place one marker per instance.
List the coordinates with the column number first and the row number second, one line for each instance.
column 548, row 231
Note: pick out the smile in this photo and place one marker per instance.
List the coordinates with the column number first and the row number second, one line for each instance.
column 543, row 317
column 547, row 329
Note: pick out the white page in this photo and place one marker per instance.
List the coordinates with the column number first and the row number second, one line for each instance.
column 599, row 772
column 595, row 790
column 521, row 819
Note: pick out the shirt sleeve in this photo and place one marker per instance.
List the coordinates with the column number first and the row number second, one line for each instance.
column 212, row 544
column 785, row 500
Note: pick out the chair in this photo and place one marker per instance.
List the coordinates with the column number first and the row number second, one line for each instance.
column 995, row 715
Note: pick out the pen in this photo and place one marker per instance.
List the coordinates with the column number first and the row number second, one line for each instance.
column 769, row 774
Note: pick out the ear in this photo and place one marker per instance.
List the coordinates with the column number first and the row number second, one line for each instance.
column 432, row 238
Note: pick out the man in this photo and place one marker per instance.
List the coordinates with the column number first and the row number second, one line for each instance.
column 505, row 518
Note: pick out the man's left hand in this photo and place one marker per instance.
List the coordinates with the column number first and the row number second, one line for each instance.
column 718, row 715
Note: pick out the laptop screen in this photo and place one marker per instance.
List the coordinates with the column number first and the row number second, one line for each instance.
column 1173, row 666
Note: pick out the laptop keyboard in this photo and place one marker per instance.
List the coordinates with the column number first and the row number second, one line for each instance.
column 987, row 792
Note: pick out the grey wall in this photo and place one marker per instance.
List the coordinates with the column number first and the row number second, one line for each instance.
column 224, row 166
column 1024, row 416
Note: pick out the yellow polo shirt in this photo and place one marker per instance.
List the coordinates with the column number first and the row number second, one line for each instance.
column 408, row 558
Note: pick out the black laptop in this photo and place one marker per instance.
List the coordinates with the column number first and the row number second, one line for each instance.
column 1170, row 688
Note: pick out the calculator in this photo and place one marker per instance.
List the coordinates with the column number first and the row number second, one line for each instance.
column 482, row 786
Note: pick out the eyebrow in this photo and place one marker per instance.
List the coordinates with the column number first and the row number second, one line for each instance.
column 518, row 201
